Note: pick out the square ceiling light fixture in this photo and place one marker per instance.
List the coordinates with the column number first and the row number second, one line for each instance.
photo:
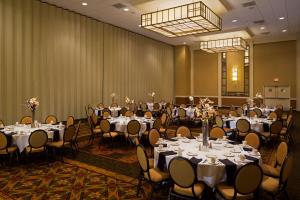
column 183, row 20
column 223, row 45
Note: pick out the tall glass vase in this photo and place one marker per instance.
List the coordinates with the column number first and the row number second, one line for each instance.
column 33, row 118
column 205, row 132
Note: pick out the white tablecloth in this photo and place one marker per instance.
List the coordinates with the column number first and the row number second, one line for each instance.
column 150, row 105
column 121, row 123
column 256, row 124
column 190, row 112
column 23, row 132
column 211, row 174
column 265, row 111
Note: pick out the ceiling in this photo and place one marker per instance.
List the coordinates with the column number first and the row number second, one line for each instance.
column 259, row 18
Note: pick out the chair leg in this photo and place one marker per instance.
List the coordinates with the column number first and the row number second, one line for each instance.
column 285, row 194
column 139, row 186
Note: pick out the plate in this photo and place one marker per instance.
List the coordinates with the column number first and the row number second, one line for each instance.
column 235, row 151
column 210, row 163
column 175, row 144
column 186, row 141
column 229, row 145
column 217, row 142
column 211, row 156
column 191, row 153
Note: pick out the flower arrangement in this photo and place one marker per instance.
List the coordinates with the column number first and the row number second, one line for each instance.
column 112, row 95
column 32, row 103
column 191, row 98
column 152, row 94
column 127, row 100
column 258, row 95
column 250, row 101
column 208, row 110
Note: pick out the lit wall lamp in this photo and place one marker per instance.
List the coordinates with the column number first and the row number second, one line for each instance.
column 234, row 74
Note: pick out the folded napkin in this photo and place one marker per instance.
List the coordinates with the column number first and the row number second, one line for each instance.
column 247, row 148
column 170, row 139
column 255, row 160
column 157, row 145
column 195, row 161
column 162, row 159
column 234, row 142
column 227, row 122
column 191, row 137
column 55, row 134
column 148, row 125
column 230, row 168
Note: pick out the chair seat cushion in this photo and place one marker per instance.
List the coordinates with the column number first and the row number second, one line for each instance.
column 270, row 170
column 156, row 175
column 34, row 150
column 151, row 163
column 9, row 150
column 270, row 184
column 97, row 130
column 111, row 134
column 57, row 144
column 198, row 188
column 227, row 191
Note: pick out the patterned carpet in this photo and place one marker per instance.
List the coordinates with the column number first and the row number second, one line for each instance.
column 108, row 173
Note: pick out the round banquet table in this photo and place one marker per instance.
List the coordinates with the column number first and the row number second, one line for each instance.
column 256, row 124
column 20, row 133
column 122, row 121
column 211, row 174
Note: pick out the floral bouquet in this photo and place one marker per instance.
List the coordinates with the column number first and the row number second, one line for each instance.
column 112, row 95
column 152, row 94
column 127, row 100
column 32, row 103
column 191, row 98
column 258, row 96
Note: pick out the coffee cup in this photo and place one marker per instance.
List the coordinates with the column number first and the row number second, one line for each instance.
column 160, row 146
column 244, row 142
column 213, row 160
column 179, row 135
column 224, row 137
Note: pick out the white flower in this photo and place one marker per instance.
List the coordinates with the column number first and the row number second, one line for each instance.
column 258, row 95
column 113, row 94
column 191, row 98
column 127, row 100
column 153, row 94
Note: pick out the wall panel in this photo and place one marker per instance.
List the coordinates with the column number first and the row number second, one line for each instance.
column 58, row 56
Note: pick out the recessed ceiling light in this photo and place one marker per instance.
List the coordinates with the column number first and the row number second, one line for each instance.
column 184, row 42
column 126, row 9
column 262, row 28
column 84, row 4
column 281, row 18
column 140, row 25
column 284, row 30
column 235, row 20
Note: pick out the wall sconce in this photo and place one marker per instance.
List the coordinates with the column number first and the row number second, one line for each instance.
column 234, row 74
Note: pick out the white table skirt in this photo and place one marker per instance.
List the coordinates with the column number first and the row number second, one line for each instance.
column 256, row 124
column 23, row 133
column 121, row 123
column 209, row 173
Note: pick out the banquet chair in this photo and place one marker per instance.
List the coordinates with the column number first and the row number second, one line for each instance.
column 157, row 124
column 185, row 184
column 183, row 131
column 106, row 132
column 68, row 136
column 163, row 129
column 216, row 133
column 1, row 123
column 279, row 113
column 154, row 176
column 220, row 124
column 242, row 127
column 6, row 150
column 258, row 112
column 70, row 121
column 182, row 105
column 163, row 118
column 246, row 183
column 128, row 113
column 106, row 112
column 153, row 137
column 95, row 120
column 253, row 140
column 90, row 110
column 144, row 107
column 275, row 186
column 100, row 105
column 240, row 111
column 279, row 106
column 133, row 130
column 272, row 116
column 94, row 130
column 273, row 170
column 74, row 139
column 123, row 111
column 37, row 143
column 114, row 105
column 181, row 115
column 169, row 111
column 51, row 119
column 274, row 132
column 156, row 107
column 285, row 131
column 26, row 120
column 148, row 115
column 252, row 113
column 232, row 113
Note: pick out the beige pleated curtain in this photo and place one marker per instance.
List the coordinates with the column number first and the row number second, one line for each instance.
column 68, row 61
